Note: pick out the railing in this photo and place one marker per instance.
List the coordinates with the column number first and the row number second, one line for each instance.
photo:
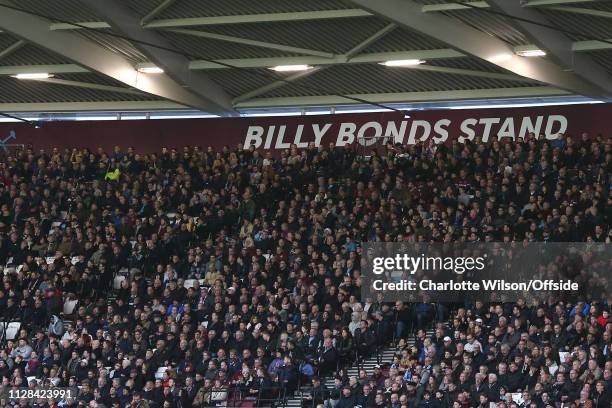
column 238, row 397
column 309, row 396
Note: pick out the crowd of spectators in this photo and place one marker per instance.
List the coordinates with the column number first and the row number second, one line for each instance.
column 242, row 274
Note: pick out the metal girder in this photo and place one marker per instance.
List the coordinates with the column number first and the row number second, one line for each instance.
column 238, row 19
column 253, row 62
column 91, row 55
column 121, row 106
column 424, row 67
column 275, row 85
column 346, row 56
column 359, row 59
column 582, row 46
column 428, row 8
column 12, row 48
column 584, row 11
column 578, row 46
column 88, row 85
column 254, row 43
column 468, row 72
column 155, row 12
column 405, row 97
column 479, row 44
column 213, row 98
column 369, row 41
column 50, row 69
column 558, row 47
column 144, row 106
column 536, row 3
column 81, row 25
column 260, row 18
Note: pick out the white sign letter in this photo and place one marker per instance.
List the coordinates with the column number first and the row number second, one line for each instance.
column 346, row 135
column 279, row 139
column 527, row 127
column 269, row 137
column 441, row 131
column 468, row 132
column 369, row 140
column 414, row 128
column 298, row 137
column 318, row 133
column 488, row 122
column 549, row 125
column 507, row 129
column 253, row 137
column 392, row 130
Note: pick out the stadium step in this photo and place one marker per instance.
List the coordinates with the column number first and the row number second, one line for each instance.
column 386, row 356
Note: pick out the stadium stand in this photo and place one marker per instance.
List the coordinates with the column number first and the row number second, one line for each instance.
column 200, row 278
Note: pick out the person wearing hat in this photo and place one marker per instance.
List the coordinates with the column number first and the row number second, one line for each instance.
column 448, row 346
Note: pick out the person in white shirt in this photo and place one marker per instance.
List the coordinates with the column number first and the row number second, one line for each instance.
column 471, row 343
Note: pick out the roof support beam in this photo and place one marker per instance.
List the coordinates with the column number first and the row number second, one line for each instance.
column 122, row 106
column 275, row 85
column 239, row 19
column 537, row 3
column 145, row 106
column 578, row 46
column 369, row 41
column 446, row 70
column 255, row 43
column 176, row 66
column 581, row 46
column 584, row 11
column 50, row 69
column 12, row 48
column 528, row 92
column 468, row 72
column 359, row 59
column 88, row 85
column 91, row 55
column 428, row 8
column 558, row 47
column 259, row 18
column 474, row 42
column 81, row 25
column 347, row 56
column 155, row 12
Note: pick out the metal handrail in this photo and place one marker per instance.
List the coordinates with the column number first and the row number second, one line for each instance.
column 235, row 397
column 314, row 393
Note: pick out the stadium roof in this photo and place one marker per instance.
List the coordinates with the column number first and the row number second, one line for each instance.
column 217, row 54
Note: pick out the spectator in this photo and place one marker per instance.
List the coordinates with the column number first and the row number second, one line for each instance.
column 276, row 243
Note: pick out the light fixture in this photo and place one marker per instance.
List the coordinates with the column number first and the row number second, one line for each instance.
column 403, row 63
column 289, row 68
column 151, row 70
column 34, row 75
column 531, row 53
